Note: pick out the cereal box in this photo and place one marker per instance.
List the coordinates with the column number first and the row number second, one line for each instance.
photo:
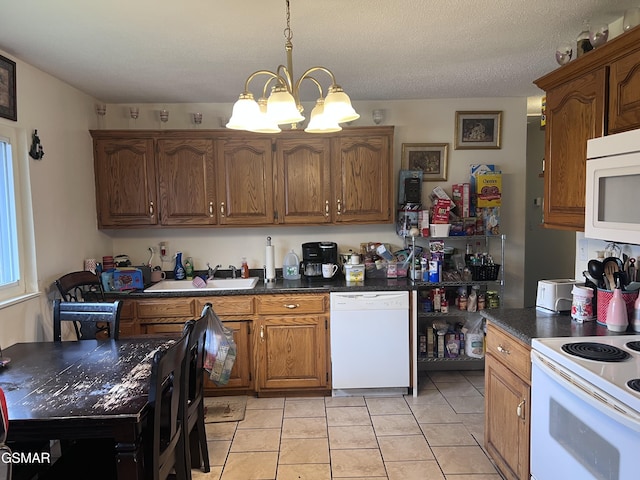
column 489, row 190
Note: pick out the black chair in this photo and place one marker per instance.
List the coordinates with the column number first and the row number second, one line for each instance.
column 81, row 286
column 163, row 437
column 5, row 467
column 196, row 447
column 90, row 317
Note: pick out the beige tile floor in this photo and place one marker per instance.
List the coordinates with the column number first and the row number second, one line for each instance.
column 436, row 435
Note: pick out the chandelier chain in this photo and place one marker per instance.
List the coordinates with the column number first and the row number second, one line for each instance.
column 288, row 34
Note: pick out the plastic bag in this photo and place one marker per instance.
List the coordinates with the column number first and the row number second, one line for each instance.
column 474, row 337
column 220, row 350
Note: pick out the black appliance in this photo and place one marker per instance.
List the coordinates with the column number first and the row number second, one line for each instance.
column 314, row 254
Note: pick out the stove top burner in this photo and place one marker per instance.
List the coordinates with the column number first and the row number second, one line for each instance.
column 595, row 351
column 634, row 346
column 634, row 384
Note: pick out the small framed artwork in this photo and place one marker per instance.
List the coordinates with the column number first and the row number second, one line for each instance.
column 430, row 158
column 8, row 107
column 478, row 130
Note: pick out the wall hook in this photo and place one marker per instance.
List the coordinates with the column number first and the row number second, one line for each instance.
column 36, row 152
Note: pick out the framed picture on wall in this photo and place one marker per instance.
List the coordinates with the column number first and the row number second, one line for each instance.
column 430, row 158
column 478, row 130
column 8, row 108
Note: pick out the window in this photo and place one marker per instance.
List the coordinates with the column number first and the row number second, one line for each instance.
column 11, row 281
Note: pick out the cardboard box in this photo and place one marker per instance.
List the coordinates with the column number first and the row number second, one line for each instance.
column 491, row 220
column 489, row 190
column 461, row 193
column 477, row 169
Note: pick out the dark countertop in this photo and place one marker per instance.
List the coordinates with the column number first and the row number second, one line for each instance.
column 528, row 323
column 285, row 286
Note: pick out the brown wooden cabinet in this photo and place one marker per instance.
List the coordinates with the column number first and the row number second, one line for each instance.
column 125, row 182
column 225, row 178
column 245, row 181
column 361, row 170
column 507, row 402
column 186, row 182
column 303, row 188
column 594, row 95
column 292, row 340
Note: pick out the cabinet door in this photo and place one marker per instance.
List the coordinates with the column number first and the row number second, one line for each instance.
column 125, row 182
column 624, row 93
column 362, row 175
column 575, row 113
column 186, row 182
column 303, row 186
column 240, row 376
column 506, row 431
column 245, row 182
column 292, row 352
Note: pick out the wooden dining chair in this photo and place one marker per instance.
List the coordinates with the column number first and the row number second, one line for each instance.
column 88, row 318
column 81, row 286
column 163, row 437
column 5, row 466
column 195, row 435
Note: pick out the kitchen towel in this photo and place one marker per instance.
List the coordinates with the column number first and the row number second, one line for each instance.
column 269, row 263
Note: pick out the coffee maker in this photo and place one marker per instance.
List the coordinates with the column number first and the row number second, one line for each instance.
column 314, row 254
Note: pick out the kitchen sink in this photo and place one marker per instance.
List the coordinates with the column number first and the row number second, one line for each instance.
column 212, row 285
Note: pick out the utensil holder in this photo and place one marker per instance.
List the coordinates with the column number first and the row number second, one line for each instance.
column 605, row 296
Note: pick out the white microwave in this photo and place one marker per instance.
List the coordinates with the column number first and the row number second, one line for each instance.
column 612, row 210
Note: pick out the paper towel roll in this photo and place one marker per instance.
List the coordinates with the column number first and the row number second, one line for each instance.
column 270, row 265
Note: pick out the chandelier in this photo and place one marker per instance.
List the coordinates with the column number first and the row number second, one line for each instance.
column 283, row 107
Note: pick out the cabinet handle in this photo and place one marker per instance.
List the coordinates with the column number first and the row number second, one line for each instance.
column 151, row 209
column 211, row 209
column 339, row 207
column 501, row 349
column 326, row 208
column 262, row 333
column 222, row 209
column 519, row 409
column 291, row 306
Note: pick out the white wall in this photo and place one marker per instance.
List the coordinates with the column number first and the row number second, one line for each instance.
column 63, row 195
column 62, row 188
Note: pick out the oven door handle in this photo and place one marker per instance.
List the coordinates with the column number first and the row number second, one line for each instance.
column 595, row 397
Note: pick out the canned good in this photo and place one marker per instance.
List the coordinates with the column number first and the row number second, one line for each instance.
column 493, row 300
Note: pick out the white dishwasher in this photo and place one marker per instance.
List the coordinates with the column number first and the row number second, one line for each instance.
column 370, row 343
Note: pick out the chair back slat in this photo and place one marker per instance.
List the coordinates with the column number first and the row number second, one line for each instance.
column 89, row 315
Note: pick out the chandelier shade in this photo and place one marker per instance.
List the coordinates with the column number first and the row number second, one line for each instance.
column 283, row 105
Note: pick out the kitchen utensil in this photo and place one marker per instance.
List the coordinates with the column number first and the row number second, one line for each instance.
column 596, row 271
column 610, row 267
column 631, row 270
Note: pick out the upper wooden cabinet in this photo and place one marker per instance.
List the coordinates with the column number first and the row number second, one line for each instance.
column 228, row 178
column 125, row 182
column 245, row 181
column 186, row 182
column 361, row 170
column 303, row 189
column 594, row 95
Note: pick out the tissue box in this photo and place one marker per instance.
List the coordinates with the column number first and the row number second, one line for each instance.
column 127, row 279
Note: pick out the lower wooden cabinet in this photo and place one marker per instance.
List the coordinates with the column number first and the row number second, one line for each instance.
column 507, row 403
column 291, row 343
column 282, row 340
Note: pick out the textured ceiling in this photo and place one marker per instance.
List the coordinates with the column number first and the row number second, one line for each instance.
column 201, row 51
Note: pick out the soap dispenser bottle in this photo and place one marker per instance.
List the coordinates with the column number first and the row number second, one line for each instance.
column 244, row 268
column 617, row 318
column 178, row 271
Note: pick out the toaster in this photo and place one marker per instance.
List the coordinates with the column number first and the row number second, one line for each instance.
column 555, row 295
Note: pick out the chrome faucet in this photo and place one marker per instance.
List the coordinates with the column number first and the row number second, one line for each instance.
column 234, row 271
column 212, row 271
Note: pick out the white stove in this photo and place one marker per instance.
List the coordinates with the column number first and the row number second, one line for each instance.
column 610, row 376
column 585, row 407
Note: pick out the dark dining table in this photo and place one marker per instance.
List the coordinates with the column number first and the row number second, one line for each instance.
column 82, row 390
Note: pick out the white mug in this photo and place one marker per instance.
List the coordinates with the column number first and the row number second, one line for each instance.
column 329, row 270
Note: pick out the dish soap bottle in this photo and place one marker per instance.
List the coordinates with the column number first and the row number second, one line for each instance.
column 244, row 268
column 291, row 266
column 178, row 271
column 188, row 268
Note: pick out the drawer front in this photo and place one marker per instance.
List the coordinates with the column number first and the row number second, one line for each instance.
column 232, row 305
column 160, row 308
column 291, row 304
column 511, row 352
column 127, row 310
